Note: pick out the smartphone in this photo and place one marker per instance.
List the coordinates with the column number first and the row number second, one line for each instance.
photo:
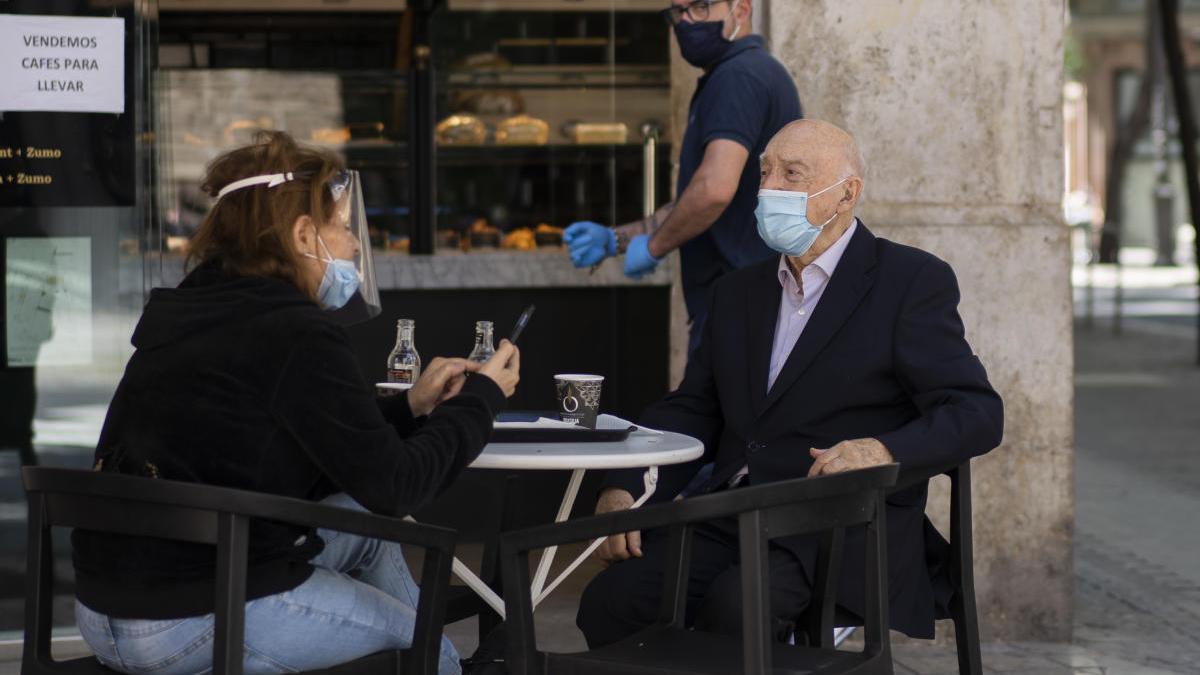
column 522, row 321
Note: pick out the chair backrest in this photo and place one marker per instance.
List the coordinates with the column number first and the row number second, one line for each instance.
column 831, row 504
column 789, row 504
column 140, row 507
column 823, row 503
column 803, row 505
column 207, row 514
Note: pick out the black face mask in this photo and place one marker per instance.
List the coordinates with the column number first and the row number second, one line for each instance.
column 701, row 43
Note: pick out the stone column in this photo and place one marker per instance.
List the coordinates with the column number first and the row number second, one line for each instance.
column 957, row 107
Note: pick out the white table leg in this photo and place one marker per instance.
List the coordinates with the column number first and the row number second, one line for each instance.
column 473, row 581
column 564, row 512
column 539, row 591
column 476, row 584
column 650, row 483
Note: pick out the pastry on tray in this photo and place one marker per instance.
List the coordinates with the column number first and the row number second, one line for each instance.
column 461, row 130
column 585, row 133
column 520, row 239
column 522, row 130
column 548, row 235
column 483, row 235
column 486, row 101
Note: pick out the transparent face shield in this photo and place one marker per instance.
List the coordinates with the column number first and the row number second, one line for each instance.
column 349, row 212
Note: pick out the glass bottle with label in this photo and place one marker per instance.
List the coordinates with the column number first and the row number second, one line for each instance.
column 483, row 342
column 404, row 364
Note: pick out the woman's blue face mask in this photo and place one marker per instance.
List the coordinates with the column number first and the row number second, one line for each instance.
column 340, row 281
column 783, row 224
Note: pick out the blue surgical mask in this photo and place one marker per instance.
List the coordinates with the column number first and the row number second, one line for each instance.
column 701, row 43
column 782, row 217
column 340, row 281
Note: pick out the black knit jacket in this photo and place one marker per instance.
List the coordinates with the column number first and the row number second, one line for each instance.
column 244, row 382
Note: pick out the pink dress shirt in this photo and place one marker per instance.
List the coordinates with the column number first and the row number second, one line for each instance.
column 797, row 304
column 800, row 299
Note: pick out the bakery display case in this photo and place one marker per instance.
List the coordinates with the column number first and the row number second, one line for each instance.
column 477, row 126
column 326, row 79
column 544, row 118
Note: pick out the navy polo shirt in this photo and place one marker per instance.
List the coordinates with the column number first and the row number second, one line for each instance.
column 746, row 97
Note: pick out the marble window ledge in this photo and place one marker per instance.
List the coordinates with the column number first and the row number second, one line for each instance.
column 492, row 269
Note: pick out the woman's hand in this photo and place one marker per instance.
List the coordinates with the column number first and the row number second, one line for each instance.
column 443, row 379
column 504, row 368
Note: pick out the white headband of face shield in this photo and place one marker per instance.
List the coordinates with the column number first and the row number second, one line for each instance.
column 337, row 183
column 270, row 180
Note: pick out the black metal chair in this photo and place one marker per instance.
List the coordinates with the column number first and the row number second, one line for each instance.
column 219, row 516
column 822, row 617
column 806, row 505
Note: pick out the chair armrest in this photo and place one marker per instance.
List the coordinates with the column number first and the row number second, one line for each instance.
column 229, row 500
column 704, row 508
column 388, row 528
column 915, row 476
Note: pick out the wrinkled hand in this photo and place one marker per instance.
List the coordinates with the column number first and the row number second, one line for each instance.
column 638, row 261
column 618, row 547
column 504, row 368
column 588, row 243
column 859, row 453
column 441, row 380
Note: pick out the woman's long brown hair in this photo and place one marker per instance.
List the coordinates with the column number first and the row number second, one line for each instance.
column 248, row 232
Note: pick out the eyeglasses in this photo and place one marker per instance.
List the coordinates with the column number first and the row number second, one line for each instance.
column 697, row 10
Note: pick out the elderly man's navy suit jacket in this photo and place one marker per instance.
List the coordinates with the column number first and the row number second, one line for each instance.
column 883, row 356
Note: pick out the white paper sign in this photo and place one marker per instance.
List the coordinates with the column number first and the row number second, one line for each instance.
column 62, row 64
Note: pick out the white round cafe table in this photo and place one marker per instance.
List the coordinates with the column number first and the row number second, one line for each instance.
column 643, row 448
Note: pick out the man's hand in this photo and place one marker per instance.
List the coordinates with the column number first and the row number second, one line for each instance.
column 859, row 453
column 443, row 379
column 618, row 547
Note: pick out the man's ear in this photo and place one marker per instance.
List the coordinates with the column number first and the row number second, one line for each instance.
column 304, row 235
column 744, row 8
column 851, row 193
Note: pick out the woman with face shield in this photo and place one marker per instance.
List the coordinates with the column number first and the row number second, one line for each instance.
column 243, row 377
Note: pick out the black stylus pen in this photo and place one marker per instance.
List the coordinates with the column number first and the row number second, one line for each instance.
column 522, row 321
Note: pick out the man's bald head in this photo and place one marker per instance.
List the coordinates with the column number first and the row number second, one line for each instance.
column 824, row 161
column 821, row 143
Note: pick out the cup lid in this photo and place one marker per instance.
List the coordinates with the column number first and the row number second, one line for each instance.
column 575, row 377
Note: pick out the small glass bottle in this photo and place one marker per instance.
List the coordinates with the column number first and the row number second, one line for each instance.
column 483, row 342
column 404, row 363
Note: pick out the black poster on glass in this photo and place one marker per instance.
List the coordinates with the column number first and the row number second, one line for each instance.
column 55, row 157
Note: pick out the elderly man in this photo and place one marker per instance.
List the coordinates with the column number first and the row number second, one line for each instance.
column 844, row 352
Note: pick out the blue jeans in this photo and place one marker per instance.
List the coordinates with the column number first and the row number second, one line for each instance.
column 330, row 619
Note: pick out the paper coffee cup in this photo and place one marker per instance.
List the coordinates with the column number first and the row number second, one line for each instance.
column 579, row 398
column 391, row 388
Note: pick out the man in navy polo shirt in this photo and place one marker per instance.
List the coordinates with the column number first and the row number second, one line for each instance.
column 743, row 98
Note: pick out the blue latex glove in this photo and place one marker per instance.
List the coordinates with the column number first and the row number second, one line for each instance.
column 638, row 261
column 588, row 243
